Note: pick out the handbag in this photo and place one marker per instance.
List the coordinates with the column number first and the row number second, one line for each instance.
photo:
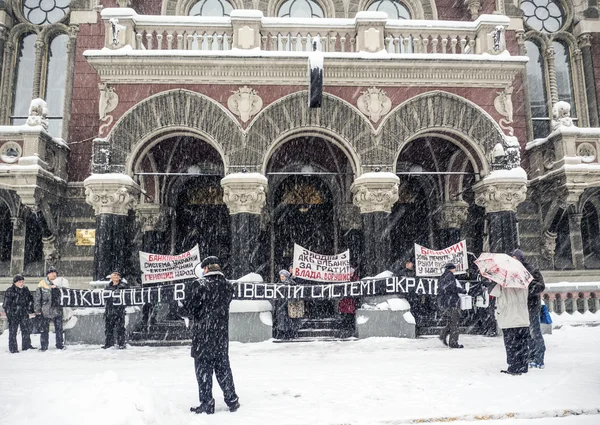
column 296, row 309
column 545, row 315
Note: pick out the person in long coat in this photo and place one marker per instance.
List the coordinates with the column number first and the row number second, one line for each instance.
column 287, row 327
column 18, row 305
column 207, row 304
column 114, row 315
column 47, row 305
column 535, row 342
column 448, row 300
column 512, row 315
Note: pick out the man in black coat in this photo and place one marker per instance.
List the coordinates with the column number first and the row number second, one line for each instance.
column 537, row 347
column 114, row 314
column 18, row 305
column 448, row 300
column 207, row 305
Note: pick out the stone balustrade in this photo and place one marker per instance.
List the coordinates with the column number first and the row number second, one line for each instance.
column 569, row 298
column 249, row 29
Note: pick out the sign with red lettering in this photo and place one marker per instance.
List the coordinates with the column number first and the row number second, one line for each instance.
column 325, row 268
column 429, row 262
column 167, row 268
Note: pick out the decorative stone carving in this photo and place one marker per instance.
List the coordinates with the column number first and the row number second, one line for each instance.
column 109, row 100
column 500, row 195
column 152, row 217
column 561, row 115
column 453, row 215
column 111, row 193
column 587, row 152
column 497, row 40
column 38, row 110
column 474, row 7
column 548, row 245
column 375, row 192
column 246, row 37
column 116, row 28
column 51, row 254
column 513, row 153
column 244, row 192
column 17, row 223
column 10, row 152
column 245, row 103
column 504, row 106
column 372, row 43
column 124, row 3
column 374, row 103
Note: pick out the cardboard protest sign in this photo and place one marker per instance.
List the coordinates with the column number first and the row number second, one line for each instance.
column 166, row 268
column 325, row 268
column 429, row 262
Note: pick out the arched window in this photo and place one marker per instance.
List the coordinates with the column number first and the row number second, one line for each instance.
column 543, row 15
column 300, row 9
column 537, row 90
column 211, row 8
column 40, row 12
column 590, row 233
column 564, row 75
column 56, row 81
column 394, row 9
column 22, row 92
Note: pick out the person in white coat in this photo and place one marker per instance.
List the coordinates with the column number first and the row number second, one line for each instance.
column 512, row 315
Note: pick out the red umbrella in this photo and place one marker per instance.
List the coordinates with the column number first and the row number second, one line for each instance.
column 504, row 269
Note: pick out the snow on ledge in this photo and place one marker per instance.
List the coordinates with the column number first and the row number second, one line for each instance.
column 115, row 178
column 515, row 174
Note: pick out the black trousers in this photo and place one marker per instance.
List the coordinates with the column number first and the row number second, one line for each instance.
column 58, row 330
column 13, row 326
column 114, row 322
column 517, row 354
column 452, row 318
column 204, row 367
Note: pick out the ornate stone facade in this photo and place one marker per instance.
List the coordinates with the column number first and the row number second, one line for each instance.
column 497, row 195
column 111, row 193
column 244, row 192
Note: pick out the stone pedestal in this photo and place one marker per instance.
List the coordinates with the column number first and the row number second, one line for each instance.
column 112, row 196
column 375, row 194
column 245, row 195
column 500, row 193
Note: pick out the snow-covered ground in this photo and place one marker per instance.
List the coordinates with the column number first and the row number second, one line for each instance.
column 368, row 382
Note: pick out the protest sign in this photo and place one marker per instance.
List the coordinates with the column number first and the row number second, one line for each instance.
column 325, row 268
column 167, row 268
column 429, row 262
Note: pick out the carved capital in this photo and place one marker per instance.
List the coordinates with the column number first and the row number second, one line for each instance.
column 548, row 245
column 584, row 40
column 374, row 103
column 152, row 217
column 111, row 193
column 17, row 223
column 453, row 215
column 51, row 254
column 499, row 194
column 375, row 192
column 245, row 103
column 244, row 192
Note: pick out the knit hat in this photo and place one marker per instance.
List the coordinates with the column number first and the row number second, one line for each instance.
column 116, row 272
column 51, row 270
column 285, row 273
column 18, row 278
column 209, row 261
column 449, row 266
column 520, row 255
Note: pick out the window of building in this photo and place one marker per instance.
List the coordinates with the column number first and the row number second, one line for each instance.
column 41, row 12
column 56, row 82
column 23, row 83
column 547, row 23
column 211, row 8
column 394, row 9
column 301, row 9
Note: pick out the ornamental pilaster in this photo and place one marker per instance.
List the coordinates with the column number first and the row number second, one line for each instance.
column 111, row 193
column 152, row 217
column 244, row 192
column 453, row 215
column 375, row 192
column 501, row 191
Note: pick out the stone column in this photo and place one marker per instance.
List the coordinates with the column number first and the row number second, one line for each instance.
column 375, row 194
column 17, row 255
column 37, row 76
column 245, row 195
column 451, row 218
column 576, row 239
column 112, row 196
column 500, row 193
column 585, row 45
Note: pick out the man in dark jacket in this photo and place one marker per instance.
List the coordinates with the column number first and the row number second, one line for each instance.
column 114, row 314
column 18, row 305
column 537, row 347
column 449, row 302
column 207, row 304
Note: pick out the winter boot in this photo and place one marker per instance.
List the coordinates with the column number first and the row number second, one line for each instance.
column 511, row 373
column 208, row 408
column 234, row 406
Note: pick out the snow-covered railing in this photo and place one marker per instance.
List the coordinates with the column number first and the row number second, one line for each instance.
column 249, row 29
column 572, row 298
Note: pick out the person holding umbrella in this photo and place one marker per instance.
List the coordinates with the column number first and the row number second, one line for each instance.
column 510, row 289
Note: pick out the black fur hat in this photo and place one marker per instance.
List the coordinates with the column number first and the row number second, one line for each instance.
column 210, row 260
